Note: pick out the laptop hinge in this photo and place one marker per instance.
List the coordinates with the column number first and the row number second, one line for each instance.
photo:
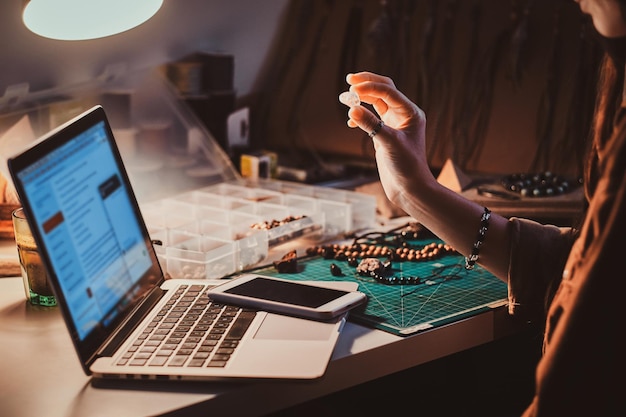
column 135, row 318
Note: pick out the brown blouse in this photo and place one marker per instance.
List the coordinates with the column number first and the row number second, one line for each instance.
column 583, row 365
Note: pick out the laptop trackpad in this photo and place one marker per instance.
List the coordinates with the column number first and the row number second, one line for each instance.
column 280, row 327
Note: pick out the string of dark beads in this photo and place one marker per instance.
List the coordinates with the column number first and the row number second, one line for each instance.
column 365, row 257
column 393, row 280
column 542, row 184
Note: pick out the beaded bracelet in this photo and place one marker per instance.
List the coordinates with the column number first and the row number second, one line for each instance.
column 470, row 260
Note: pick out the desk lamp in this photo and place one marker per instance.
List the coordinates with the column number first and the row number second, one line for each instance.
column 86, row 19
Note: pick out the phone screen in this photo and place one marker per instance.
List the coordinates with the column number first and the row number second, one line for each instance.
column 286, row 292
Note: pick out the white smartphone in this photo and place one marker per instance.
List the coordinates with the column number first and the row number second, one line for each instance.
column 287, row 297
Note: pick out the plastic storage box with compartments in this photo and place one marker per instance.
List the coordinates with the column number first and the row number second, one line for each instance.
column 205, row 220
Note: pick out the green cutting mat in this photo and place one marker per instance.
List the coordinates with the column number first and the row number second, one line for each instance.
column 448, row 293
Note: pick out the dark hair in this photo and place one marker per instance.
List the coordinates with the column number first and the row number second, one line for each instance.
column 608, row 101
column 622, row 6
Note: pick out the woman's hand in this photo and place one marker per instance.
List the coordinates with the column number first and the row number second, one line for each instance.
column 400, row 146
column 400, row 143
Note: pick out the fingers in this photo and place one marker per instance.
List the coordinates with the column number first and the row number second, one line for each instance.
column 376, row 130
column 391, row 105
column 364, row 119
column 361, row 77
column 371, row 88
column 377, row 90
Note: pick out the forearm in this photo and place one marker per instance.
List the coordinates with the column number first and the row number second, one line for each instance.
column 456, row 220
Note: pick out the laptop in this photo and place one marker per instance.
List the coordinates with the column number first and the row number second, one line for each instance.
column 125, row 319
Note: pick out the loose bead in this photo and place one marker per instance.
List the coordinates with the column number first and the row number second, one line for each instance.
column 335, row 270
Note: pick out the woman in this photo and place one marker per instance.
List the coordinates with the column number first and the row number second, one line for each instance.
column 583, row 360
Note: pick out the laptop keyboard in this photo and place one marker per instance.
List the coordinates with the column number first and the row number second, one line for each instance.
column 191, row 330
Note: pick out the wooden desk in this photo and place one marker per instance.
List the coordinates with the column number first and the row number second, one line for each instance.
column 42, row 375
column 9, row 261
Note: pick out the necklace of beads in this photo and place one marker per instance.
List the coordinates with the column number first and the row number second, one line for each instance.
column 377, row 270
column 364, row 256
column 542, row 184
column 353, row 252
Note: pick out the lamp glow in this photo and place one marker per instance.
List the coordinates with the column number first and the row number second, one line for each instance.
column 86, row 19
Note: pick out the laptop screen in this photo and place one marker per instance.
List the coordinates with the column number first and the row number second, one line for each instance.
column 77, row 193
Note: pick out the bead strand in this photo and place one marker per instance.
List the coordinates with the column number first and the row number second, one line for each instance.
column 344, row 252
